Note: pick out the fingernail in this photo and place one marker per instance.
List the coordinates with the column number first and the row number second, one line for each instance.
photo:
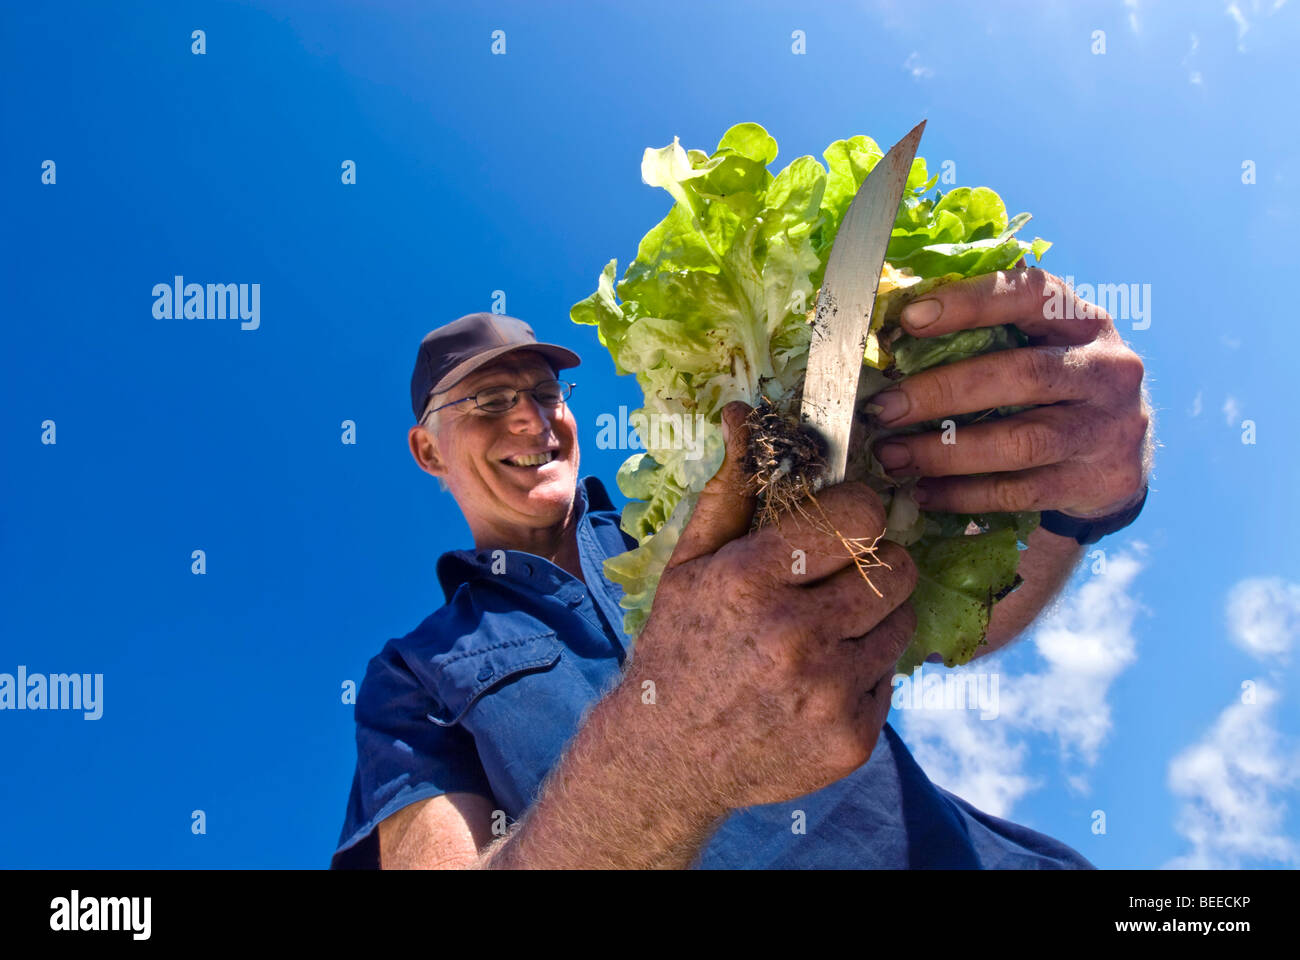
column 893, row 405
column 726, row 433
column 894, row 455
column 921, row 313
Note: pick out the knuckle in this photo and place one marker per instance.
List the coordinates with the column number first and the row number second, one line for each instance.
column 1032, row 443
column 1091, row 317
column 1041, row 284
column 1036, row 365
column 1127, row 371
column 1095, row 321
column 835, row 605
column 1010, row 493
column 856, row 506
column 784, row 634
column 894, row 633
column 762, row 556
column 940, row 393
column 1135, row 430
column 1133, row 480
column 901, row 563
column 1125, row 481
column 904, row 621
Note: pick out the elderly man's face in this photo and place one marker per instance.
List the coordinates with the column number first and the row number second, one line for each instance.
column 473, row 450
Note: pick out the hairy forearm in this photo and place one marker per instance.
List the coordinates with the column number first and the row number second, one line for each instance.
column 1046, row 566
column 1048, row 562
column 616, row 799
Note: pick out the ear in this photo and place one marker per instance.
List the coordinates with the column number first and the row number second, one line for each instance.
column 424, row 448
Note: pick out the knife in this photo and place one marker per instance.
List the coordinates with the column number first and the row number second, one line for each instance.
column 848, row 293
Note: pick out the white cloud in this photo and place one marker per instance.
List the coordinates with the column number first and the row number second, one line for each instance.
column 1196, row 404
column 1231, row 410
column 971, row 757
column 1193, row 76
column 917, row 69
column 1264, row 616
column 1132, row 6
column 1232, row 783
column 1086, row 641
column 1239, row 18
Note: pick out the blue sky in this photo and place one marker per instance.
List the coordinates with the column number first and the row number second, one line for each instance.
column 520, row 173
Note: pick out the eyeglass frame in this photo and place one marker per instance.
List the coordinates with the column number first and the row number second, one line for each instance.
column 514, row 400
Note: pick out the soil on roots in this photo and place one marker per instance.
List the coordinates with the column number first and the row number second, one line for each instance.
column 784, row 464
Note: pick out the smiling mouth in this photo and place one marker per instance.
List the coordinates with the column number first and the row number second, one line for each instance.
column 532, row 460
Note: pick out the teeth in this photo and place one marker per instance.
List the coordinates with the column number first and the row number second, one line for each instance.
column 535, row 460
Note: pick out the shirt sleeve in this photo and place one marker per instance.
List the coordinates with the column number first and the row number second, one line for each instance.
column 402, row 757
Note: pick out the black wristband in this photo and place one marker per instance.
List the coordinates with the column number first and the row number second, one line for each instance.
column 1090, row 531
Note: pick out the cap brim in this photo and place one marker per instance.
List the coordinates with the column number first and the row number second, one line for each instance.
column 560, row 358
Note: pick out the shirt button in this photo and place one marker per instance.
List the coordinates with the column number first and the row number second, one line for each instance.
column 575, row 600
column 485, row 674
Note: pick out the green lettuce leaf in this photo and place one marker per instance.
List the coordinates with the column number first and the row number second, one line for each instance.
column 715, row 307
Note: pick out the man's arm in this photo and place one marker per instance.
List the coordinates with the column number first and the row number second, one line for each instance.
column 603, row 807
column 608, row 807
column 445, row 832
column 1046, row 566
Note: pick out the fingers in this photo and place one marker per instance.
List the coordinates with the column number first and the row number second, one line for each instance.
column 1038, row 489
column 846, row 606
column 726, row 506
column 1032, row 438
column 1040, row 304
column 806, row 545
column 873, row 659
column 1007, row 378
column 880, row 649
column 862, row 669
column 1082, row 490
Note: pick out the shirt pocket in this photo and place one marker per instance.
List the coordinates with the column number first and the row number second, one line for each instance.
column 462, row 678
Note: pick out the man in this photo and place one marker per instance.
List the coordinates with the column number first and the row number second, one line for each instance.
column 511, row 729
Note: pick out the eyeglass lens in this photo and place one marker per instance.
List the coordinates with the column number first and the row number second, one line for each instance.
column 501, row 399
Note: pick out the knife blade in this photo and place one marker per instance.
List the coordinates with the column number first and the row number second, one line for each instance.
column 848, row 293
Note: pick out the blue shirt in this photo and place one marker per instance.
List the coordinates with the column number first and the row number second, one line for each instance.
column 485, row 693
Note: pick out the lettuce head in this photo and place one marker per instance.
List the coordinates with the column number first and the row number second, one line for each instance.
column 717, row 307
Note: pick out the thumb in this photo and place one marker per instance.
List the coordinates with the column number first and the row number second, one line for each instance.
column 726, row 506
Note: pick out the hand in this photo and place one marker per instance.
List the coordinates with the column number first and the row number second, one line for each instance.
column 769, row 684
column 1084, row 452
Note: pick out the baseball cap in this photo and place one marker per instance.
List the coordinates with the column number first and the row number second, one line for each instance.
column 453, row 351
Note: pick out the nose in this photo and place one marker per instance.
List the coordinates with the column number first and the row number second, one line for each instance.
column 530, row 416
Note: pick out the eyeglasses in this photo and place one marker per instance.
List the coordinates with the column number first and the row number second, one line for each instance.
column 498, row 400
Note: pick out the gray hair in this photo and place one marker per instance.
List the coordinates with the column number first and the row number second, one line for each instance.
column 430, row 423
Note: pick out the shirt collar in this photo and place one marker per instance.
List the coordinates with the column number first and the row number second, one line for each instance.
column 457, row 567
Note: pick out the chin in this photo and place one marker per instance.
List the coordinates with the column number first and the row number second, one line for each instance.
column 555, row 490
